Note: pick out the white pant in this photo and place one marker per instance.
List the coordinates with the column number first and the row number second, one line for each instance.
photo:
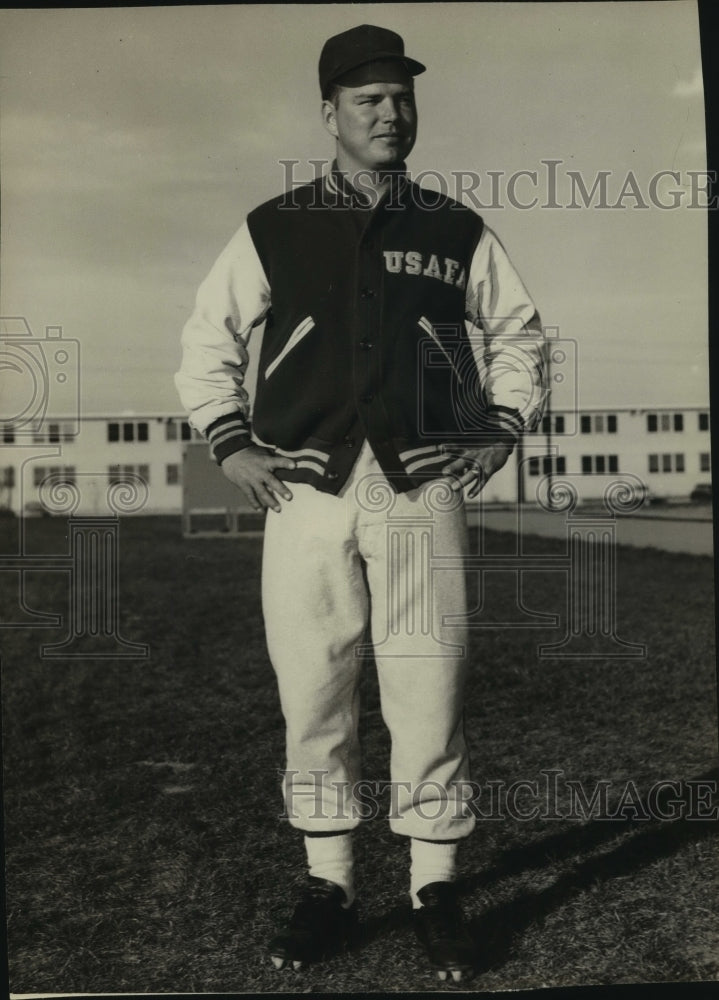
column 331, row 565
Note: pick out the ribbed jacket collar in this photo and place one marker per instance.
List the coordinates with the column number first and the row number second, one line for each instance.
column 347, row 194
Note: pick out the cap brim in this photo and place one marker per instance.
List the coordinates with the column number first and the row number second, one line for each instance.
column 413, row 67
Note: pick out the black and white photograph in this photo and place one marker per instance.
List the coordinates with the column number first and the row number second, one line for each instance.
column 356, row 515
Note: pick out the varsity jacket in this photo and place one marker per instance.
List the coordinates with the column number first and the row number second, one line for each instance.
column 404, row 324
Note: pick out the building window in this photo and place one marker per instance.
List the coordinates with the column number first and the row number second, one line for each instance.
column 8, row 434
column 600, row 423
column 552, row 464
column 703, row 421
column 669, row 463
column 665, row 421
column 131, row 431
column 705, row 462
column 599, row 464
column 172, row 474
column 121, row 473
column 552, row 424
column 187, row 433
column 58, row 473
column 8, row 476
column 54, row 434
column 548, row 465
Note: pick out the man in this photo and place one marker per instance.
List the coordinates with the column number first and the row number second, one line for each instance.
column 401, row 356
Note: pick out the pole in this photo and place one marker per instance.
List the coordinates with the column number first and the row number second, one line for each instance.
column 550, row 457
column 520, row 470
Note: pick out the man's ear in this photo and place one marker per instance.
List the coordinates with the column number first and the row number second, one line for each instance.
column 329, row 117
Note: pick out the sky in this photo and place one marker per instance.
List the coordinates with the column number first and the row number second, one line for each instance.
column 133, row 142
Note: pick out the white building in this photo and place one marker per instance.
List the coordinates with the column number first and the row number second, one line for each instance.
column 668, row 450
column 92, row 454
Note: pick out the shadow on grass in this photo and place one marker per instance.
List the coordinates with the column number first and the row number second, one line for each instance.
column 642, row 842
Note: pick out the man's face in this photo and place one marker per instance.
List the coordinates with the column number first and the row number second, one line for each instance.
column 375, row 125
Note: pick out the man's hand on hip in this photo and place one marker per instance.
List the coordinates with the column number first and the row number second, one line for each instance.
column 252, row 470
column 474, row 467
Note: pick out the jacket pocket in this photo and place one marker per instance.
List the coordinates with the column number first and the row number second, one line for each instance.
column 299, row 332
column 425, row 325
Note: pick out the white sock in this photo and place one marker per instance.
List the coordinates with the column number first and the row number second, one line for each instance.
column 430, row 862
column 332, row 858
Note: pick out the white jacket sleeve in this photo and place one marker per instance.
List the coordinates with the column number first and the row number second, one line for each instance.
column 233, row 298
column 507, row 338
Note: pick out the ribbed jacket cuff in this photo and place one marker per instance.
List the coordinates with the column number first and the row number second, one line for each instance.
column 227, row 435
column 508, row 423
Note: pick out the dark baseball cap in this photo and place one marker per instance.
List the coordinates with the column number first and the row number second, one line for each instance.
column 361, row 46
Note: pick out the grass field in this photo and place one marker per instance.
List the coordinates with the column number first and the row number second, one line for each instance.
column 144, row 850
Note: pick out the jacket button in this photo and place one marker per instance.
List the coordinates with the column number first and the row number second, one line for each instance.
column 366, row 293
column 366, row 345
column 350, row 442
column 332, row 475
column 367, row 398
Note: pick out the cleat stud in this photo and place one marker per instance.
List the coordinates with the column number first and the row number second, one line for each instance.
column 278, row 962
column 457, row 975
column 297, row 966
column 441, row 975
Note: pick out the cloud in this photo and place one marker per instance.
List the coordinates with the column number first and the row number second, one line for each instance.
column 690, row 88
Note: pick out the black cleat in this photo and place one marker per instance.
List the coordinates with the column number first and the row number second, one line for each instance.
column 439, row 926
column 319, row 927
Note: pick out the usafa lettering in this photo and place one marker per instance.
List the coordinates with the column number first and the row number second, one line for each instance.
column 435, row 266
